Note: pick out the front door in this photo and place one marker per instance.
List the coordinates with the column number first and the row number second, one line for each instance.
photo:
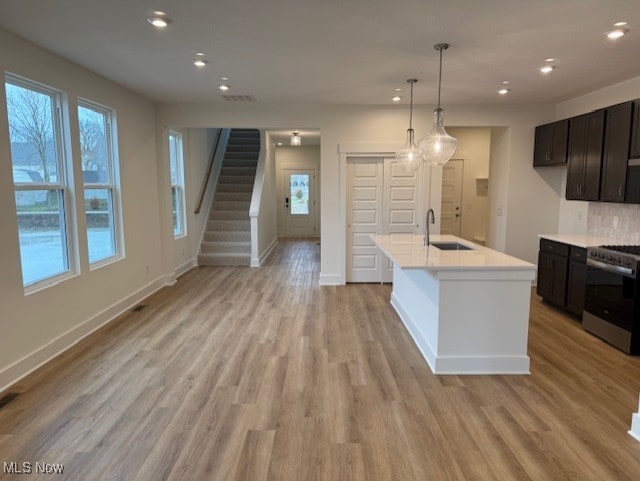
column 300, row 205
column 451, row 205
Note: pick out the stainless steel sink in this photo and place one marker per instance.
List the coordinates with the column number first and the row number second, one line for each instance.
column 451, row 246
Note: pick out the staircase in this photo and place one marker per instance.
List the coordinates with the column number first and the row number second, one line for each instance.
column 227, row 240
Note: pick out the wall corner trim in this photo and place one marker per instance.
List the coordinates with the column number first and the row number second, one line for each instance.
column 635, row 425
column 29, row 363
column 257, row 262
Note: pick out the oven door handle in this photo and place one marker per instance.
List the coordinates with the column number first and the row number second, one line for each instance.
column 625, row 271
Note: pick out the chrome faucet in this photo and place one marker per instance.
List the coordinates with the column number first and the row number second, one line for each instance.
column 431, row 214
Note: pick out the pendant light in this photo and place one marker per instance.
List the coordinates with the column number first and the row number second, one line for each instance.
column 438, row 146
column 296, row 139
column 409, row 156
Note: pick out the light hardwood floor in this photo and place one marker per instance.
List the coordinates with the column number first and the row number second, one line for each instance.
column 261, row 374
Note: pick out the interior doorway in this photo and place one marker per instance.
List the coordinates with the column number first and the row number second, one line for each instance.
column 451, row 198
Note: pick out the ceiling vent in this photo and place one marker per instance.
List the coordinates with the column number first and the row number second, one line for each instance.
column 239, row 98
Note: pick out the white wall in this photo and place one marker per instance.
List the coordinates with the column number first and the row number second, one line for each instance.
column 267, row 218
column 36, row 326
column 581, row 217
column 474, row 146
column 339, row 124
column 197, row 150
column 304, row 157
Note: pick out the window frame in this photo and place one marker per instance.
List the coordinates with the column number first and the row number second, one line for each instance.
column 63, row 183
column 181, row 211
column 113, row 169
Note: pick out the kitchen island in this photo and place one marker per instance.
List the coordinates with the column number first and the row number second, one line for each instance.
column 467, row 310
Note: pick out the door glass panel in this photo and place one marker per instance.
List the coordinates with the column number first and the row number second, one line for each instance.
column 299, row 185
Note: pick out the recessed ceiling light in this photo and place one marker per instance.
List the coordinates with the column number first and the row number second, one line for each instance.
column 505, row 82
column 224, row 87
column 547, row 69
column 397, row 98
column 398, row 89
column 279, row 143
column 617, row 33
column 549, row 59
column 620, row 24
column 200, row 62
column 504, row 91
column 224, row 78
column 159, row 19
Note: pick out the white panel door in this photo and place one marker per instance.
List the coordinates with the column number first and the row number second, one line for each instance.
column 364, row 217
column 300, row 204
column 402, row 206
column 381, row 199
column 451, row 205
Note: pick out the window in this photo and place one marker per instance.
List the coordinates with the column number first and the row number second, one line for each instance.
column 177, row 184
column 40, row 182
column 99, row 174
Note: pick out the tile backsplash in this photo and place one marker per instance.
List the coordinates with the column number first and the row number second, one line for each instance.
column 601, row 221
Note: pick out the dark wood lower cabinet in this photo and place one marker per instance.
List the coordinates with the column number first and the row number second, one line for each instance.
column 575, row 287
column 562, row 275
column 552, row 278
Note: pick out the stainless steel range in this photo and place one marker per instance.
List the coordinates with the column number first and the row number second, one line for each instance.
column 612, row 296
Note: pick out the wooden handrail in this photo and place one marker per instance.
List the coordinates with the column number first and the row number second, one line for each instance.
column 207, row 175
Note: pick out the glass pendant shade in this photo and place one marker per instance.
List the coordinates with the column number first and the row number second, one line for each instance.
column 409, row 157
column 438, row 146
column 296, row 140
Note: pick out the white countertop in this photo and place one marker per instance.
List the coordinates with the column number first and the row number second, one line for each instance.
column 580, row 240
column 409, row 252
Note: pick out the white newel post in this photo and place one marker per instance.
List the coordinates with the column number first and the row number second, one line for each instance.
column 635, row 424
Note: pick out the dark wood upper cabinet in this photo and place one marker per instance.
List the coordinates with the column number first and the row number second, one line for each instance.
column 586, row 137
column 576, row 154
column 634, row 152
column 617, row 134
column 550, row 146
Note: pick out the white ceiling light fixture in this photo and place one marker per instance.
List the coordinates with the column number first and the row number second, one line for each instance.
column 224, row 87
column 396, row 98
column 409, row 156
column 546, row 69
column 159, row 19
column 438, row 146
column 200, row 61
column 296, row 140
column 504, row 91
column 617, row 33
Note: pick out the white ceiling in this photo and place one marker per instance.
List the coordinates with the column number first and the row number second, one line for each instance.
column 340, row 51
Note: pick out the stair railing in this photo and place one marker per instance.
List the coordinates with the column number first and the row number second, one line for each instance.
column 207, row 175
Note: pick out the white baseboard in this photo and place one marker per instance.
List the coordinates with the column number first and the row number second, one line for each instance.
column 635, row 426
column 257, row 262
column 21, row 368
column 330, row 280
column 186, row 267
